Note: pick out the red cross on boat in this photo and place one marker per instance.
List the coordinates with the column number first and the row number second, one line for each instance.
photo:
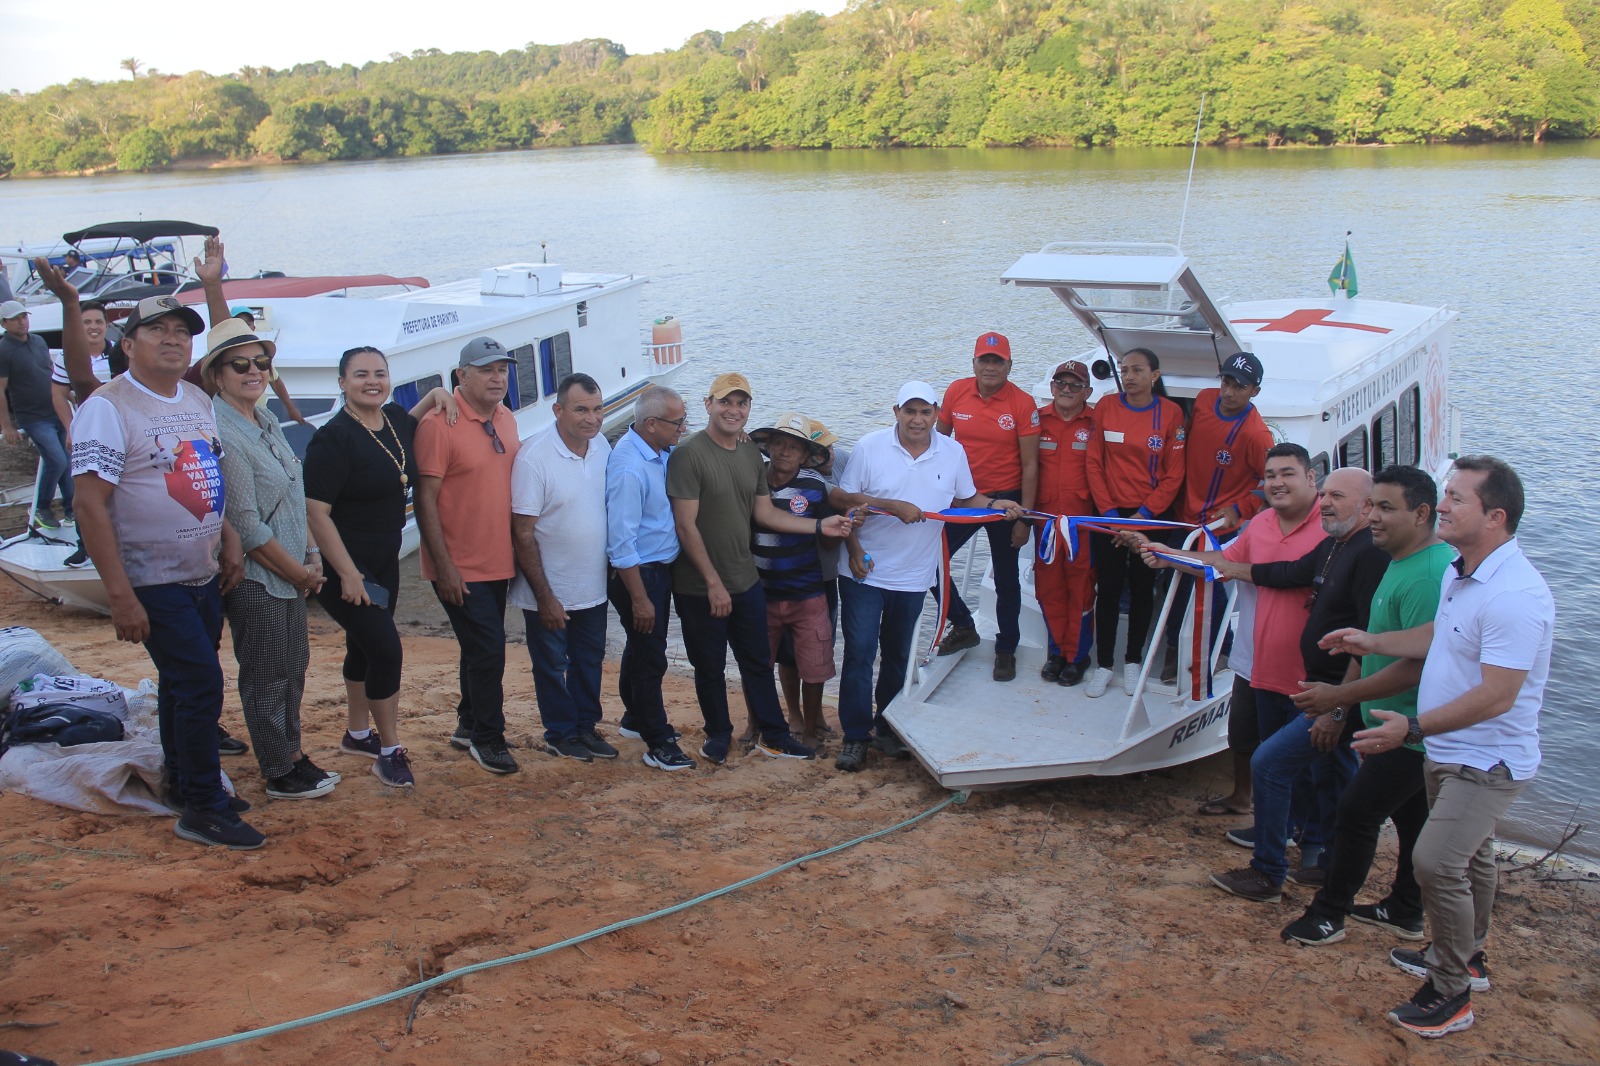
column 1297, row 321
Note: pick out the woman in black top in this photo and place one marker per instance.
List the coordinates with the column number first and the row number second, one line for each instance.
column 359, row 470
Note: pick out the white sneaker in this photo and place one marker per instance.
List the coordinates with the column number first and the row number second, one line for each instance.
column 1130, row 677
column 1099, row 681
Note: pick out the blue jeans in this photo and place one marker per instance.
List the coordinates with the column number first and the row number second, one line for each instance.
column 874, row 620
column 50, row 437
column 480, row 628
column 185, row 630
column 1007, row 575
column 644, row 656
column 707, row 640
column 1281, row 760
column 566, row 671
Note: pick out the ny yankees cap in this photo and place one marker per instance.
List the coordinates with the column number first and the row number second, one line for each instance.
column 1243, row 368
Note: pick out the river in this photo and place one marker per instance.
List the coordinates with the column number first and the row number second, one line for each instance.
column 858, row 270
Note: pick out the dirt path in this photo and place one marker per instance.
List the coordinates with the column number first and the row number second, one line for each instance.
column 1069, row 922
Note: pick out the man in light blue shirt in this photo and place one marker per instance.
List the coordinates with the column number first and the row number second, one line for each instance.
column 641, row 543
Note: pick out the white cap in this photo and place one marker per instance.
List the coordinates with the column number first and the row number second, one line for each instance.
column 916, row 390
column 12, row 308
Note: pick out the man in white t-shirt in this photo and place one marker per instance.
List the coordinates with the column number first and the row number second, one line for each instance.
column 558, row 530
column 907, row 469
column 1486, row 658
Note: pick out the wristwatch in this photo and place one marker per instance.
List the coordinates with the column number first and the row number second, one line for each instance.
column 1414, row 732
column 1337, row 714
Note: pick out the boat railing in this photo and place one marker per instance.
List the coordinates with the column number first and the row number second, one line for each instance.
column 663, row 355
column 1398, row 346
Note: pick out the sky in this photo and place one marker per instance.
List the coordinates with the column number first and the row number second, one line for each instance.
column 52, row 42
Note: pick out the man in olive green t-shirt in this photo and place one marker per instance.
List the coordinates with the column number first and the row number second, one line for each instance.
column 1388, row 784
column 713, row 480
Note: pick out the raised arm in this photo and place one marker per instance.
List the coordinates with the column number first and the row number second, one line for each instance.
column 209, row 271
column 75, row 354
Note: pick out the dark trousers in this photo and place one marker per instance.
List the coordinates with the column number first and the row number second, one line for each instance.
column 566, row 671
column 875, row 620
column 373, row 654
column 1389, row 784
column 1007, row 575
column 1115, row 568
column 269, row 641
column 644, row 656
column 707, row 640
column 1277, row 768
column 50, row 437
column 480, row 628
column 185, row 630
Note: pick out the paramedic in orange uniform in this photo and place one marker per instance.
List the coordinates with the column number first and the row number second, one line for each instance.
column 1065, row 588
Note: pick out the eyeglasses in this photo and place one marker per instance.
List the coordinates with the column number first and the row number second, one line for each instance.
column 1067, row 383
column 499, row 445
column 675, row 423
column 242, row 366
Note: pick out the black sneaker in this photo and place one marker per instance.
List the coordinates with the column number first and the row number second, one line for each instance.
column 1249, row 883
column 597, row 745
column 311, row 769
column 394, row 769
column 852, row 757
column 784, row 747
column 228, row 744
column 369, row 745
column 889, row 742
column 1005, row 666
column 1244, row 836
column 1308, row 876
column 493, row 757
column 668, row 757
column 296, row 784
column 1415, row 963
column 461, row 738
column 569, row 747
column 960, row 638
column 1072, row 673
column 715, row 749
column 1432, row 1014
column 1384, row 916
column 1314, row 929
column 77, row 560
column 222, row 829
column 1051, row 670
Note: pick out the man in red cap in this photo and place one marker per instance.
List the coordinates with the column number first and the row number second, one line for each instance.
column 998, row 425
column 1065, row 587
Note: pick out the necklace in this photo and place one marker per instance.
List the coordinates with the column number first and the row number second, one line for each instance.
column 400, row 463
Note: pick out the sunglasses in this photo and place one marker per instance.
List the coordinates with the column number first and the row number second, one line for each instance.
column 1069, row 384
column 499, row 445
column 242, row 366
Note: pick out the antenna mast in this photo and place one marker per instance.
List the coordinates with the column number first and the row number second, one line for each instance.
column 1194, row 150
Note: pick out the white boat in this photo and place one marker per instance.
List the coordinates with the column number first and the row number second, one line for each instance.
column 1359, row 382
column 554, row 322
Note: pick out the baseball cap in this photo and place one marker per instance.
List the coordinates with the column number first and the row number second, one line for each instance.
column 917, row 390
column 153, row 307
column 1072, row 367
column 726, row 383
column 12, row 308
column 793, row 424
column 484, row 351
column 231, row 333
column 1244, row 368
column 992, row 344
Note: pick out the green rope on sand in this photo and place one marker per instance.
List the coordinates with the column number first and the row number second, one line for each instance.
column 452, row 975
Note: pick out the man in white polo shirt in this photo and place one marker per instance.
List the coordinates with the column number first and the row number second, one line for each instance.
column 1486, row 659
column 907, row 468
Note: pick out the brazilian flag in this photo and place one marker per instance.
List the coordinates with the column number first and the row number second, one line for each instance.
column 1343, row 277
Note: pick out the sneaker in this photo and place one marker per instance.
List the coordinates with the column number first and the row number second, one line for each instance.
column 461, row 738
column 668, row 757
column 311, row 769
column 394, row 770
column 784, row 747
column 1071, row 674
column 1384, row 916
column 569, row 747
column 960, row 638
column 1415, row 963
column 69, row 521
column 228, row 744
column 715, row 749
column 493, row 757
column 1314, row 929
column 1051, row 670
column 238, row 804
column 222, row 829
column 889, row 742
column 1099, row 681
column 852, row 757
column 77, row 560
column 633, row 734
column 1432, row 1014
column 1249, row 883
column 370, row 746
column 1308, row 876
column 45, row 520
column 296, row 785
column 597, row 745
column 1130, row 677
column 1005, row 666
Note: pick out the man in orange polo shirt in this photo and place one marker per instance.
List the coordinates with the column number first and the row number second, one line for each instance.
column 1065, row 587
column 463, row 506
column 998, row 425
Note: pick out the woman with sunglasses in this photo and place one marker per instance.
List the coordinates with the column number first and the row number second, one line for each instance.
column 267, row 610
column 360, row 467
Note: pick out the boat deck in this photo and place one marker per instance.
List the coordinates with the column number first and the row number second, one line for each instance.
column 37, row 564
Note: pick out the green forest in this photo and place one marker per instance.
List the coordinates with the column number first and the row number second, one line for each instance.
column 882, row 74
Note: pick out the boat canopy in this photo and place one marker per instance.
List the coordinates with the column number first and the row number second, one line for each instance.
column 263, row 288
column 143, row 232
column 1134, row 296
